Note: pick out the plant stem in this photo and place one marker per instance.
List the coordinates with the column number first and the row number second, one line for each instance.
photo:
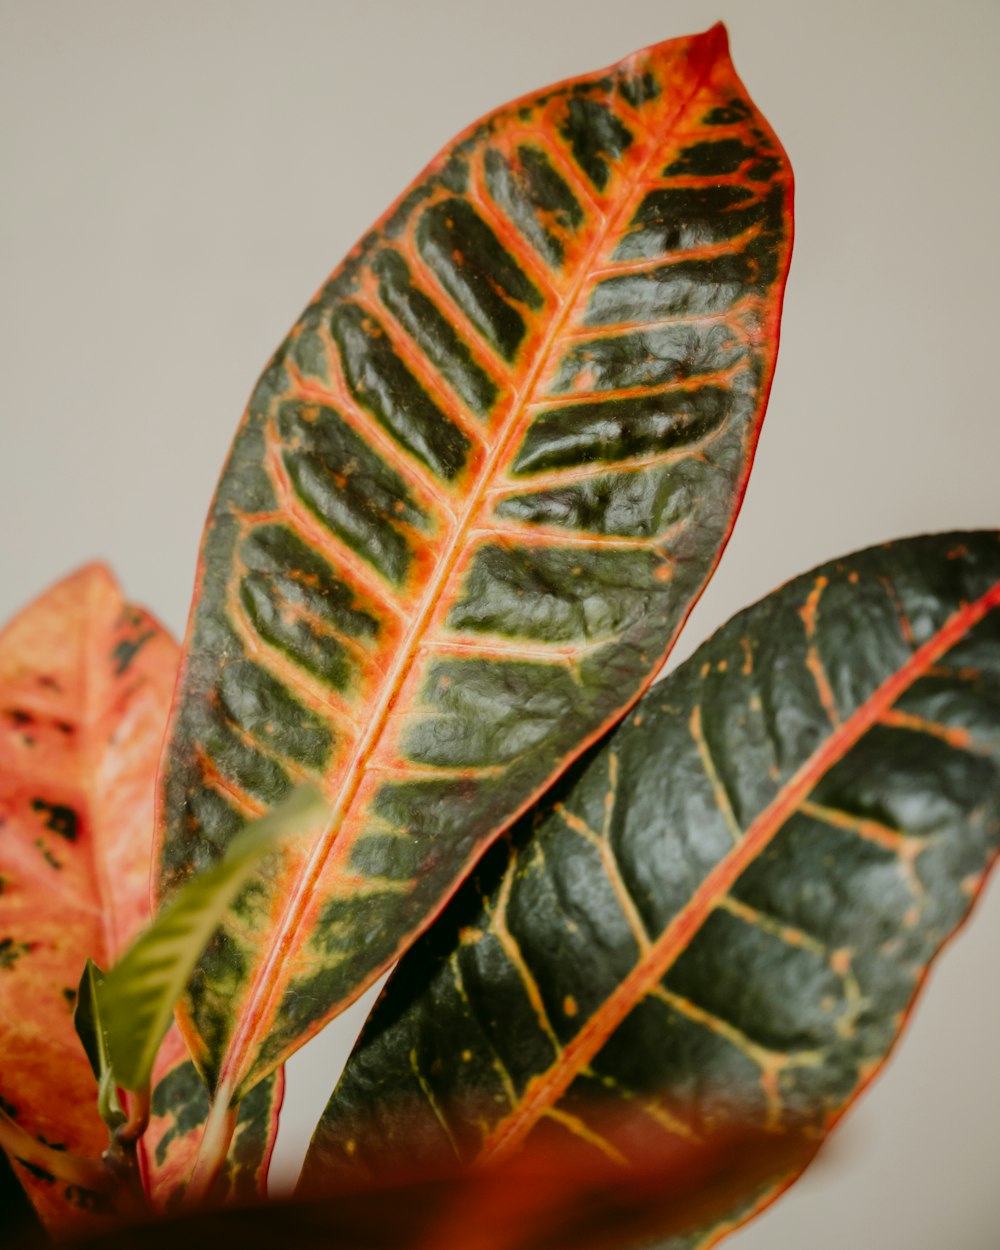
column 219, row 1128
column 122, row 1157
column 20, row 1145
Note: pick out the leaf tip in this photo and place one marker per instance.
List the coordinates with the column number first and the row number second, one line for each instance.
column 94, row 577
column 700, row 52
column 710, row 46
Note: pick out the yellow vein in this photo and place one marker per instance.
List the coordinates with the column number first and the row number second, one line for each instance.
column 579, row 1128
column 956, row 736
column 548, row 1086
column 512, row 950
column 875, row 831
column 528, row 482
column 612, row 871
column 545, row 536
column 708, row 764
column 424, row 281
column 428, row 1093
column 575, row 179
column 791, row 935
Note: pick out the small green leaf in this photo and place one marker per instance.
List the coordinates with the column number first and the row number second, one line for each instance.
column 90, row 1030
column 137, row 997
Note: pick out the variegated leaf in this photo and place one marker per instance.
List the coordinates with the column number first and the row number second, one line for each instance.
column 85, row 687
column 473, row 499
column 723, row 914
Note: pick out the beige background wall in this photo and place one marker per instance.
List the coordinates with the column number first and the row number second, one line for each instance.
column 177, row 178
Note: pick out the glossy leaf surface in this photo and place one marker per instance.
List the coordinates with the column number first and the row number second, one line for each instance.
column 474, row 497
column 722, row 913
column 85, row 687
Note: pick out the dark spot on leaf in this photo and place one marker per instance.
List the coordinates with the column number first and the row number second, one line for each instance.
column 128, row 649
column 70, row 996
column 37, row 1172
column 47, row 855
column 175, row 1199
column 11, row 951
column 735, row 111
column 60, row 819
column 639, row 89
column 8, row 1107
column 764, row 169
column 19, row 716
column 183, row 1096
column 88, row 1200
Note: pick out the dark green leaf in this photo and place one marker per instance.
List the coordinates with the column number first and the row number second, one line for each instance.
column 722, row 914
column 90, row 1030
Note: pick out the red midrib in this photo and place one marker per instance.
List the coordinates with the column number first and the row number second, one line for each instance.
column 547, row 1088
column 259, row 1004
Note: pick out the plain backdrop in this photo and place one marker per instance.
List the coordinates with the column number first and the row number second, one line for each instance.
column 179, row 177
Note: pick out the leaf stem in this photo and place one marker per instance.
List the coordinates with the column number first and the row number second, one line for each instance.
column 122, row 1157
column 22, row 1146
column 219, row 1128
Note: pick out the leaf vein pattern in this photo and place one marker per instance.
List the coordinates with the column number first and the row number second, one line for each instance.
column 263, row 982
column 579, row 1128
column 578, row 1053
column 425, row 371
column 412, row 386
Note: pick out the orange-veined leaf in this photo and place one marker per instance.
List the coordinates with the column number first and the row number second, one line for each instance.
column 85, row 687
column 723, row 913
column 136, row 998
column 474, row 496
column 180, row 1108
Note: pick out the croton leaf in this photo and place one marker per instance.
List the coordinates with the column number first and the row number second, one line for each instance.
column 474, row 496
column 722, row 914
column 85, row 687
column 137, row 997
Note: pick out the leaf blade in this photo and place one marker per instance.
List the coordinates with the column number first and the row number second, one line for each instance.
column 85, row 685
column 137, row 997
column 690, row 977
column 472, row 501
column 89, row 1025
column 86, row 681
